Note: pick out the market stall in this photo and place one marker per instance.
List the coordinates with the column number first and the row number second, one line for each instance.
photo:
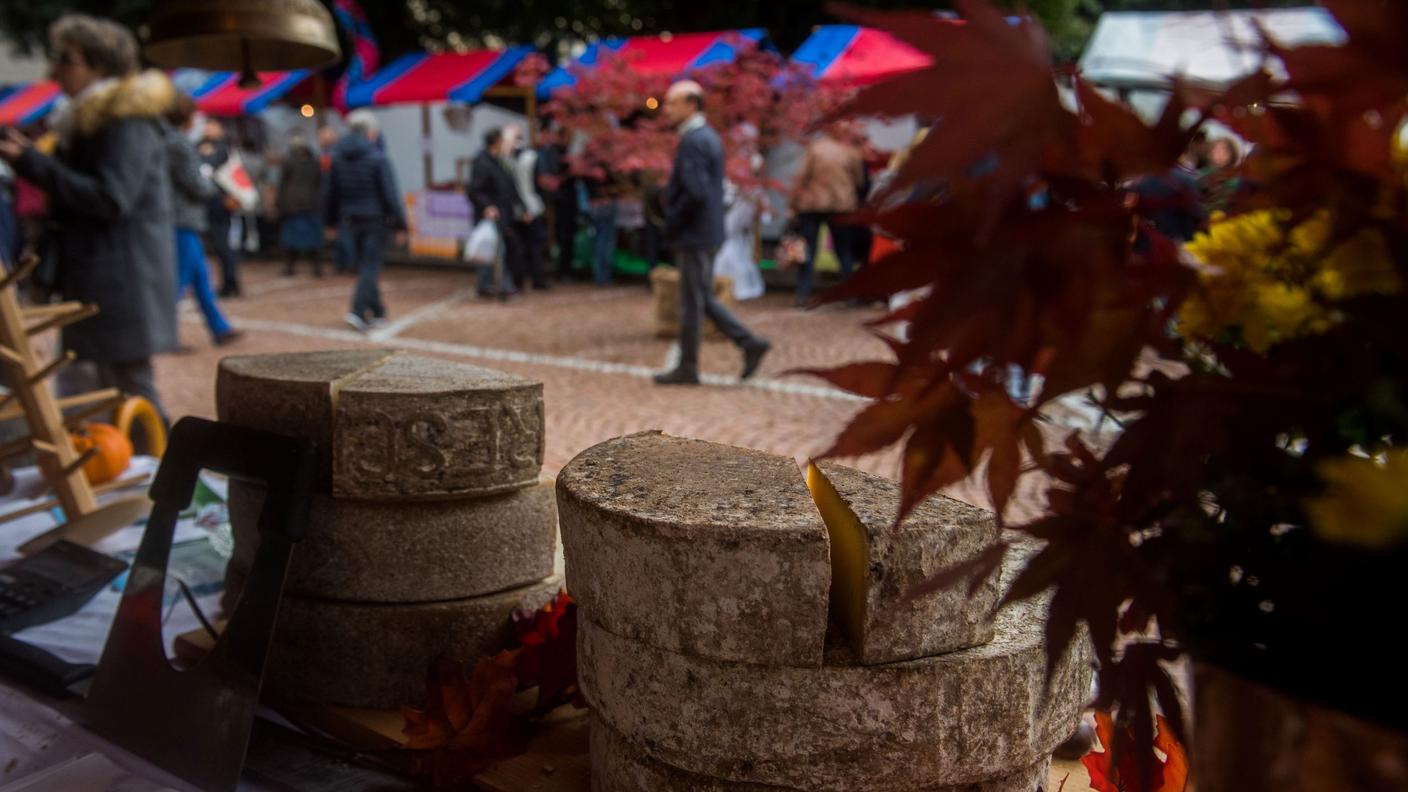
column 439, row 212
column 854, row 55
column 1137, row 54
column 663, row 54
column 25, row 104
column 220, row 93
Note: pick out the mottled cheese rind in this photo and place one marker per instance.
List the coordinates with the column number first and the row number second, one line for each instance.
column 695, row 547
column 958, row 718
column 376, row 656
column 390, row 425
column 618, row 767
column 938, row 534
column 422, row 551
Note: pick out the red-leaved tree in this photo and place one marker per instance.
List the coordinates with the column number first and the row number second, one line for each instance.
column 755, row 101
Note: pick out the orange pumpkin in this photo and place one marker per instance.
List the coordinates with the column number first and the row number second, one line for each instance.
column 114, row 451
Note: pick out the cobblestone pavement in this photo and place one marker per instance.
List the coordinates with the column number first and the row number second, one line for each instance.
column 593, row 349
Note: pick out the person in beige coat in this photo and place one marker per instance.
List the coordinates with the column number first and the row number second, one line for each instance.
column 828, row 187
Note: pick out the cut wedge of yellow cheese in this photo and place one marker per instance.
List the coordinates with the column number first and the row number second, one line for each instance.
column 876, row 564
column 850, row 556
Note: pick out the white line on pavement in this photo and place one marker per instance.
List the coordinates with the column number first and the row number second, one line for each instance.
column 393, row 329
column 533, row 358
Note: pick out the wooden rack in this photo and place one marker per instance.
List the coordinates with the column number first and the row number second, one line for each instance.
column 31, row 398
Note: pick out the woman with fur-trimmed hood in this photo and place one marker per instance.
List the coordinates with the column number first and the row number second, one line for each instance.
column 110, row 195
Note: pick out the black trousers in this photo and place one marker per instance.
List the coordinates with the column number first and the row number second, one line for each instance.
column 534, row 237
column 565, row 235
column 697, row 300
column 218, row 243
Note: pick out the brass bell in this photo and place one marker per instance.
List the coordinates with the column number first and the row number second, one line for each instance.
column 247, row 36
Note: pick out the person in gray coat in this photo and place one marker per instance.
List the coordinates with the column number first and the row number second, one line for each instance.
column 109, row 193
column 191, row 191
column 694, row 226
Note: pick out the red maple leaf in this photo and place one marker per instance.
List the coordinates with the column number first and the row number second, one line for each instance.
column 1111, row 774
column 467, row 724
column 548, row 660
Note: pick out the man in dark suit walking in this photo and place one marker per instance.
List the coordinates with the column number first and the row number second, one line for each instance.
column 694, row 225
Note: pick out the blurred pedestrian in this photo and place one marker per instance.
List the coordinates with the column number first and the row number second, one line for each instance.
column 342, row 244
column 494, row 195
column 829, row 186
column 1172, row 201
column 191, row 189
column 559, row 189
column 110, row 193
column 297, row 201
column 735, row 259
column 361, row 191
column 1220, row 180
column 600, row 191
column 10, row 240
column 694, row 221
column 214, row 151
column 533, row 226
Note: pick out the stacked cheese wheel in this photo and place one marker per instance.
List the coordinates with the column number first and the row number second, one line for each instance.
column 430, row 526
column 742, row 631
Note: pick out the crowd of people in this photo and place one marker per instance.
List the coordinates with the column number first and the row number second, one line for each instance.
column 124, row 202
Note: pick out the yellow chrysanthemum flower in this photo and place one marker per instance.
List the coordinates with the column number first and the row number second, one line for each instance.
column 1358, row 267
column 1270, row 284
column 1365, row 501
column 1280, row 311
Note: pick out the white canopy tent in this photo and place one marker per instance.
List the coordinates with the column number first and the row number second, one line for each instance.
column 1144, row 50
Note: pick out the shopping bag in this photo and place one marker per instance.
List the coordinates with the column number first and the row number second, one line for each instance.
column 482, row 247
column 233, row 179
column 791, row 250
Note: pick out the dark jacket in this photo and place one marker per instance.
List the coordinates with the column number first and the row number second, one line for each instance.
column 215, row 153
column 191, row 191
column 109, row 191
column 1172, row 202
column 552, row 163
column 9, row 232
column 361, row 185
column 491, row 184
column 300, row 184
column 694, row 198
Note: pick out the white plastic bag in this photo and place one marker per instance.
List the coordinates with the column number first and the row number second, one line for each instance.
column 482, row 247
column 233, row 178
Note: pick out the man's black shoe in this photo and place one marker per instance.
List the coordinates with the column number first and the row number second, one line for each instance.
column 753, row 357
column 677, row 377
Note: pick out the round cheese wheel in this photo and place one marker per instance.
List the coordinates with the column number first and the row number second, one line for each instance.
column 366, row 551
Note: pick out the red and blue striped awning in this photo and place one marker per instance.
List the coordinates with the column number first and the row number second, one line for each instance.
column 660, row 55
column 25, row 104
column 853, row 55
column 437, row 77
column 219, row 93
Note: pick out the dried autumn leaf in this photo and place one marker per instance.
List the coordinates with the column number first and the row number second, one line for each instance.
column 548, row 660
column 1111, row 771
column 990, row 86
column 1000, row 424
column 468, row 723
column 1175, row 758
column 872, row 379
